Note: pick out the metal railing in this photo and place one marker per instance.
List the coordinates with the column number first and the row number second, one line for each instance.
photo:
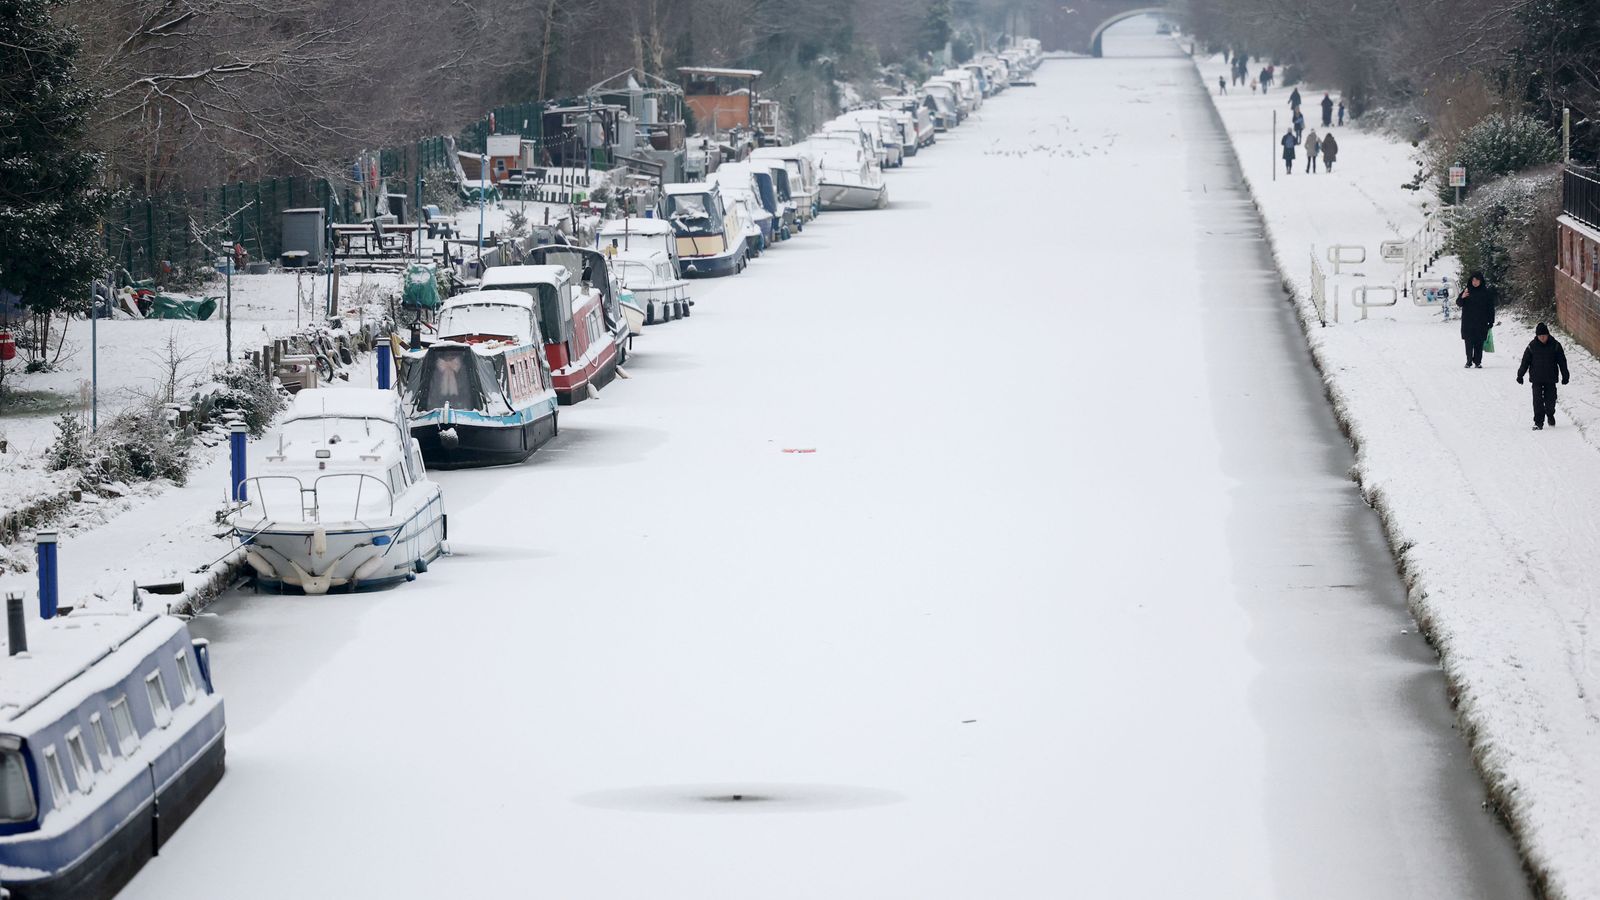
column 1580, row 195
column 272, row 499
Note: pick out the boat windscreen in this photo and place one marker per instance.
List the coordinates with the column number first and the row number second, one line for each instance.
column 455, row 376
column 690, row 212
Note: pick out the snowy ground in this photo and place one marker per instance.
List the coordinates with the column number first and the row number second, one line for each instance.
column 1495, row 520
column 1072, row 598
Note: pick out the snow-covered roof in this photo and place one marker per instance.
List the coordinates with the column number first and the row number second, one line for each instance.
column 688, row 187
column 345, row 403
column 720, row 73
column 501, row 276
column 64, row 649
column 635, row 225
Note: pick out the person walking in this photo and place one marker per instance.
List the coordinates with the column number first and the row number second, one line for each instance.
column 1341, row 112
column 1327, row 111
column 1330, row 151
column 1477, row 301
column 1541, row 362
column 1222, row 85
column 1294, row 100
column 1299, row 124
column 1266, row 79
column 1289, row 142
column 1313, row 147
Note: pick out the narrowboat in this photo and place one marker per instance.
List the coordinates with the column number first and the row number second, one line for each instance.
column 482, row 394
column 578, row 348
column 343, row 500
column 649, row 275
column 709, row 241
column 111, row 735
column 592, row 275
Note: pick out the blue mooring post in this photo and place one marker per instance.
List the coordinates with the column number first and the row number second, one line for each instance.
column 384, row 365
column 49, row 583
column 236, row 434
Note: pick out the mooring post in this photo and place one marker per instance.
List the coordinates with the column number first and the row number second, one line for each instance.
column 236, row 435
column 384, row 365
column 49, row 582
column 16, row 624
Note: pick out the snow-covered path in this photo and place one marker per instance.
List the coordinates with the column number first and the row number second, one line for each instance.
column 1072, row 598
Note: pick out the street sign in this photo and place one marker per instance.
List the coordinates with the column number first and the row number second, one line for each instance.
column 1458, row 176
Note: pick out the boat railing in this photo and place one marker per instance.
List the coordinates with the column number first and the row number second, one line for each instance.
column 339, row 497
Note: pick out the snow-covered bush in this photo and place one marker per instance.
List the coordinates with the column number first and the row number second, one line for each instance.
column 138, row 445
column 1498, row 145
column 240, row 388
column 1507, row 230
column 68, row 450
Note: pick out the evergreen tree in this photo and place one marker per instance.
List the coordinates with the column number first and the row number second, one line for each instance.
column 51, row 196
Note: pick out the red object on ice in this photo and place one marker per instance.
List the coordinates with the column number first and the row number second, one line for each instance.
column 799, row 449
column 8, row 347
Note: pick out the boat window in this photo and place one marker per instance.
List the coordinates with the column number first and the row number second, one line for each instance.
column 82, row 773
column 58, row 778
column 185, row 677
column 156, row 688
column 16, row 794
column 122, row 722
column 102, row 746
column 450, row 380
column 397, row 479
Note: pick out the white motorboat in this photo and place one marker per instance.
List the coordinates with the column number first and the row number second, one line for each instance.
column 848, row 179
column 343, row 500
column 649, row 275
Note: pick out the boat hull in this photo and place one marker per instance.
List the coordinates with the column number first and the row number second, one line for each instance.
column 285, row 559
column 572, row 389
column 837, row 195
column 113, row 863
column 710, row 266
column 663, row 304
column 482, row 444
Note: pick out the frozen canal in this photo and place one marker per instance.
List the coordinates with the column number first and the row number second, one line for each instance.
column 1073, row 598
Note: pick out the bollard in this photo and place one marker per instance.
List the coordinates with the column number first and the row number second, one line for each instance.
column 236, row 435
column 384, row 366
column 16, row 624
column 49, row 583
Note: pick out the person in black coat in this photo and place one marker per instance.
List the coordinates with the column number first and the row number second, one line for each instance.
column 1541, row 362
column 1477, row 301
column 1294, row 100
column 1289, row 142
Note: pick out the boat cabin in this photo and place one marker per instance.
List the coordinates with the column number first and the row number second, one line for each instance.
column 111, row 734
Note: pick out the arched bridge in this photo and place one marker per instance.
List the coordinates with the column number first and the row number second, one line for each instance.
column 1078, row 25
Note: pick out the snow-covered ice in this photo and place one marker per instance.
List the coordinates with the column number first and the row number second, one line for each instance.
column 1073, row 598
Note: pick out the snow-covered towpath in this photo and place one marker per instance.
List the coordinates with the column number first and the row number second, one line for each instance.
column 1496, row 520
column 1072, row 598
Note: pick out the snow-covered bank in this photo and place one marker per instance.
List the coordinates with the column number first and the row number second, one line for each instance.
column 1492, row 523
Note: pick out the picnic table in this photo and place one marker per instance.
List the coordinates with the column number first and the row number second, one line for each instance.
column 372, row 239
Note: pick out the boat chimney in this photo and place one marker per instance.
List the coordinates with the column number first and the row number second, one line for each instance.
column 16, row 625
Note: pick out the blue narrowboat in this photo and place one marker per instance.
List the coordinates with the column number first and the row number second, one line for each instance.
column 111, row 734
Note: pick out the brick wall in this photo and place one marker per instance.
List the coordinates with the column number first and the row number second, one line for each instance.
column 1578, row 282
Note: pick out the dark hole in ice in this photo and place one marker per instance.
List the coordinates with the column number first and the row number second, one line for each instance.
column 739, row 798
